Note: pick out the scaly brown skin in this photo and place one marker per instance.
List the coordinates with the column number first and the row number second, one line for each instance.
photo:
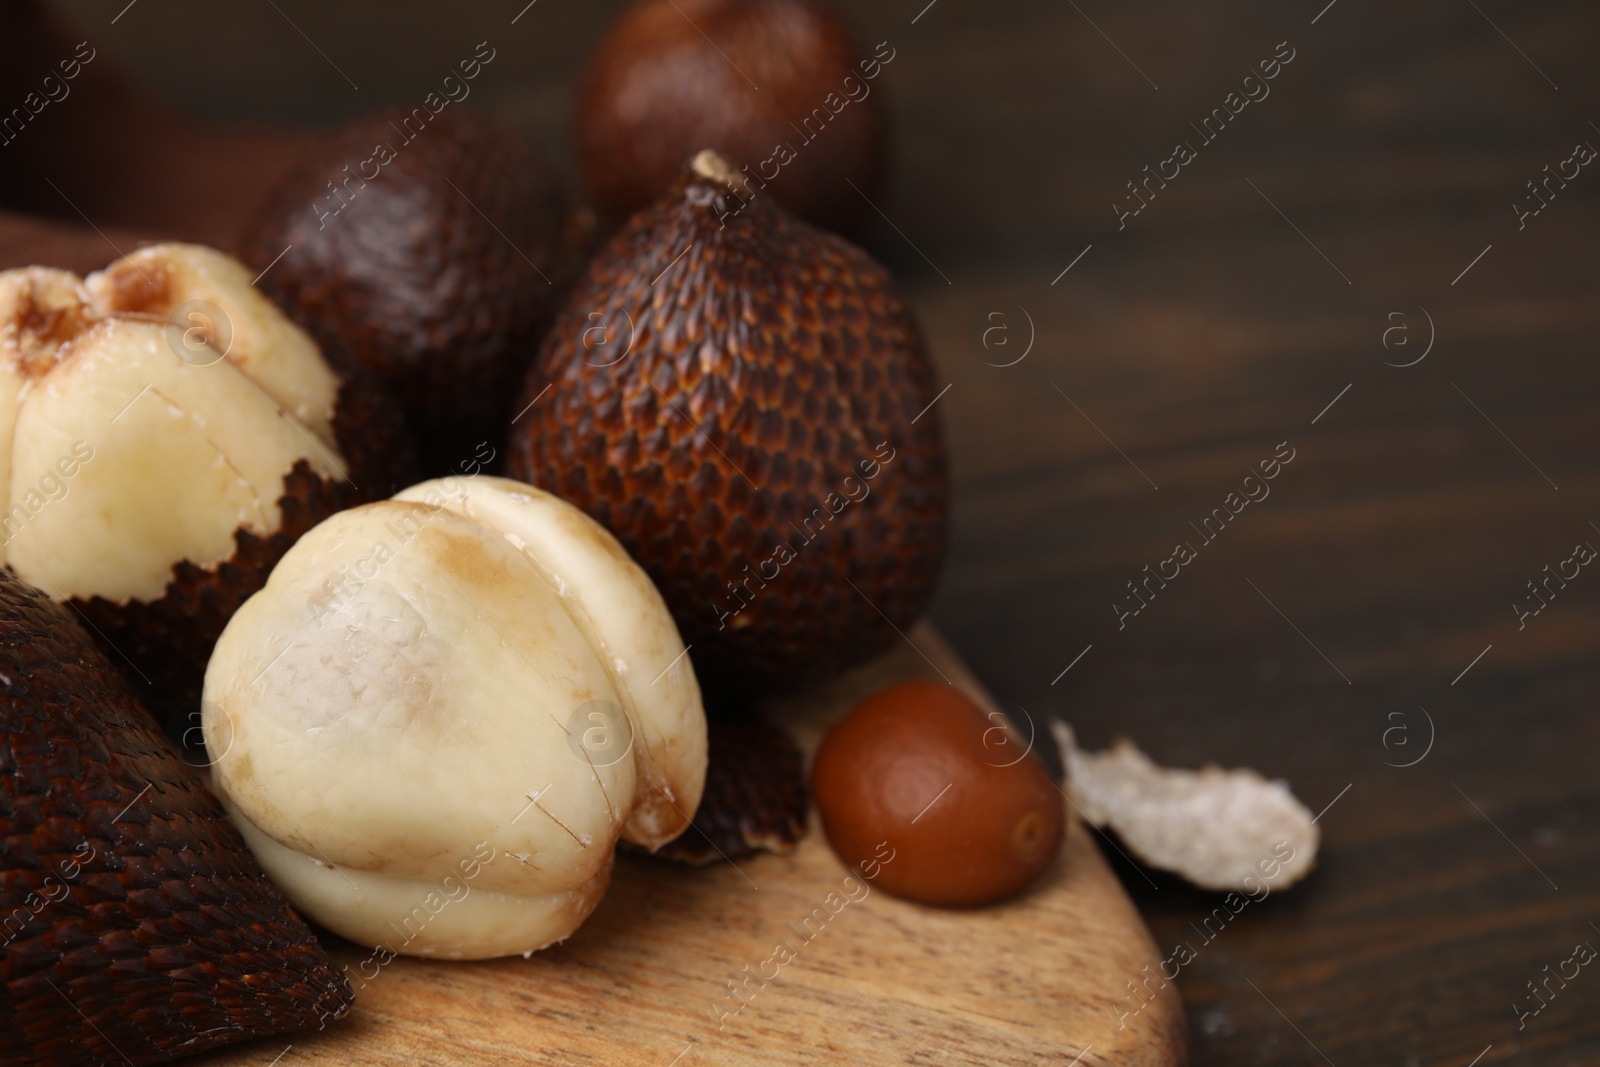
column 770, row 362
column 670, row 78
column 136, row 927
column 438, row 270
column 755, row 798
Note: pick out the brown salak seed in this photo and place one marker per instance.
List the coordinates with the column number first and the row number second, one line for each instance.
column 776, row 86
column 745, row 401
column 432, row 250
column 134, row 925
column 918, row 766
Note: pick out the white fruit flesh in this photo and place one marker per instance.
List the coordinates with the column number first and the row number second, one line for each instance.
column 261, row 342
column 619, row 610
column 456, row 917
column 401, row 695
column 118, row 458
column 182, row 456
column 40, row 309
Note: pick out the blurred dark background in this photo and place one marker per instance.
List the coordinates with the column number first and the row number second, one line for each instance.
column 1323, row 637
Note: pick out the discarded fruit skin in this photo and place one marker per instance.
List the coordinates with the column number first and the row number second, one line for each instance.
column 672, row 77
column 917, row 765
column 745, row 401
column 464, row 695
column 1221, row 830
column 755, row 798
column 435, row 256
column 122, row 885
column 165, row 434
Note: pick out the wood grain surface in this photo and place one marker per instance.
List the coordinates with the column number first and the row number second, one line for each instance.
column 1324, row 635
column 1044, row 978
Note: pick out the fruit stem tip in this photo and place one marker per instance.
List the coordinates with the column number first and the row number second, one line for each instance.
column 711, row 166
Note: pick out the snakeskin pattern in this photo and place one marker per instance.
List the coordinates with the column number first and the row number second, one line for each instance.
column 769, row 396
column 136, row 927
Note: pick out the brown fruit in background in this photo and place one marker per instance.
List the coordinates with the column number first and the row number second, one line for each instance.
column 431, row 249
column 915, row 765
column 732, row 392
column 134, row 924
column 745, row 78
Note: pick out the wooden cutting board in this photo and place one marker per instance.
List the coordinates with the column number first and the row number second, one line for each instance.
column 1041, row 979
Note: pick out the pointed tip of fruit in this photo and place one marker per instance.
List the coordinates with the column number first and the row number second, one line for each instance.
column 711, row 166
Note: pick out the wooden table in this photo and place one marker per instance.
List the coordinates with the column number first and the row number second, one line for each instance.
column 1360, row 617
column 716, row 965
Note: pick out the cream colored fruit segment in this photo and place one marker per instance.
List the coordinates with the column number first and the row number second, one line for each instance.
column 183, row 455
column 451, row 917
column 399, row 694
column 618, row 608
column 10, row 388
column 31, row 285
column 271, row 350
column 385, row 730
